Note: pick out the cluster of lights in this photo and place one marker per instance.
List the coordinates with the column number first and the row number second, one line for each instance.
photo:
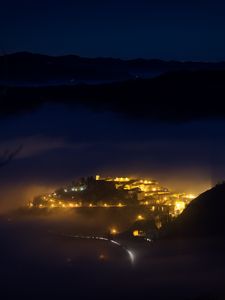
column 146, row 181
column 191, row 196
column 56, row 204
column 74, row 189
column 122, row 179
column 149, row 194
column 60, row 204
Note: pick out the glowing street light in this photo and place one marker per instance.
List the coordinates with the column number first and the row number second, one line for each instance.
column 136, row 233
column 140, row 218
column 113, row 231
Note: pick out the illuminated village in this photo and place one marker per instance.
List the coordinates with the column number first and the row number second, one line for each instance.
column 116, row 192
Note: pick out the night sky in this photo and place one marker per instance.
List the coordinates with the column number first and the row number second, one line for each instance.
column 184, row 30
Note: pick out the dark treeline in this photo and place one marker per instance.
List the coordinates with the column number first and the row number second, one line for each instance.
column 177, row 96
column 30, row 67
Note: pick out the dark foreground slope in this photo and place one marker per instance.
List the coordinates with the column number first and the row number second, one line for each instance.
column 205, row 216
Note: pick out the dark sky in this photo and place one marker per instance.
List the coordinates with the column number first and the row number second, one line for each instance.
column 184, row 29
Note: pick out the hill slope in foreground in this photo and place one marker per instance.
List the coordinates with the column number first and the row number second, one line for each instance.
column 204, row 216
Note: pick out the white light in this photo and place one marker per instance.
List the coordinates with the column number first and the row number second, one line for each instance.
column 115, row 242
column 102, row 238
column 148, row 240
column 131, row 255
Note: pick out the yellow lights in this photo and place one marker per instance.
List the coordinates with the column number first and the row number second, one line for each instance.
column 146, row 181
column 179, row 206
column 140, row 218
column 158, row 224
column 113, row 231
column 191, row 196
column 122, row 179
column 136, row 233
column 146, row 192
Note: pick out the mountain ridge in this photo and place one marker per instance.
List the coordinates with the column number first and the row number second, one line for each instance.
column 27, row 66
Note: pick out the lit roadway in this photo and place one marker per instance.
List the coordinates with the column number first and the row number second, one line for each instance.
column 130, row 253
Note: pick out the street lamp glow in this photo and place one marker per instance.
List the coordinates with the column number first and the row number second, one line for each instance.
column 113, row 231
column 140, row 218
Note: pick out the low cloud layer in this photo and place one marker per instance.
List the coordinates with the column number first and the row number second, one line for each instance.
column 60, row 145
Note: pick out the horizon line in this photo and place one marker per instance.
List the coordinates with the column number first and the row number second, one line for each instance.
column 7, row 53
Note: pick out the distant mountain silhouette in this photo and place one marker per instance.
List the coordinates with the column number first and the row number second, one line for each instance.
column 176, row 96
column 28, row 67
column 205, row 216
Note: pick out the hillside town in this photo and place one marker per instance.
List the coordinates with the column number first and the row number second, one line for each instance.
column 116, row 192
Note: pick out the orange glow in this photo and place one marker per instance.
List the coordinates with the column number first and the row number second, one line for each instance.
column 140, row 218
column 136, row 233
column 113, row 231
